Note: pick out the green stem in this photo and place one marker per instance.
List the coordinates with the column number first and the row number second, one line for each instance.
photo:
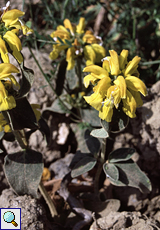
column 101, row 161
column 48, row 200
column 48, row 81
column 22, row 141
column 79, row 73
column 150, row 62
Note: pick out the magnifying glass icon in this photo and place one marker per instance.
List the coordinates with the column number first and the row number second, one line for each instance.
column 9, row 217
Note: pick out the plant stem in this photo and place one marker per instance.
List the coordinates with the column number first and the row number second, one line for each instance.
column 48, row 81
column 48, row 200
column 101, row 161
column 79, row 72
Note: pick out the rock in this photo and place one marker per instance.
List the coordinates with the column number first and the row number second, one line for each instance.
column 125, row 221
column 61, row 167
column 33, row 214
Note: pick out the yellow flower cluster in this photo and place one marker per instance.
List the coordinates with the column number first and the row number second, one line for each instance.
column 10, row 25
column 115, row 83
column 77, row 42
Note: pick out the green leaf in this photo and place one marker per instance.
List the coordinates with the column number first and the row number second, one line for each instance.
column 99, row 133
column 93, row 143
column 111, row 171
column 131, row 175
column 27, row 80
column 45, row 130
column 69, row 43
column 58, row 107
column 60, row 76
column 105, row 125
column 121, row 154
column 83, row 166
column 22, row 116
column 2, row 135
column 72, row 78
column 23, row 171
column 91, row 116
column 78, row 157
column 119, row 121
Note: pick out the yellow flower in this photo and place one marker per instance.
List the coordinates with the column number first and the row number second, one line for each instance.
column 94, row 53
column 76, row 42
column 11, row 17
column 115, row 83
column 15, row 44
column 36, row 111
column 11, row 20
column 81, row 25
column 3, row 51
column 4, row 126
column 7, row 102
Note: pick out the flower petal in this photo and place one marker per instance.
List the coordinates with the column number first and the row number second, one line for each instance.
column 123, row 59
column 14, row 44
column 3, row 51
column 106, row 66
column 114, row 63
column 120, row 82
column 6, row 102
column 89, row 55
column 95, row 100
column 137, row 97
column 96, row 70
column 70, row 55
column 132, row 66
column 106, row 112
column 136, row 84
column 99, row 51
column 114, row 95
column 129, row 105
column 102, row 85
column 11, row 16
column 89, row 78
column 68, row 25
column 6, row 69
column 81, row 25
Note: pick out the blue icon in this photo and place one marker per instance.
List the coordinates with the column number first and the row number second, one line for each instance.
column 9, row 217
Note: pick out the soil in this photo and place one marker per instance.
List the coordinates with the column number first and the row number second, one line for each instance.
column 121, row 207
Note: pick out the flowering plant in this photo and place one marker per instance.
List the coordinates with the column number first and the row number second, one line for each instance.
column 116, row 85
column 77, row 43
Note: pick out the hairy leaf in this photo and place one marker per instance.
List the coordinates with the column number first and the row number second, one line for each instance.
column 27, row 80
column 121, row 154
column 131, row 175
column 23, row 171
column 111, row 171
column 93, row 143
column 99, row 133
column 22, row 116
column 83, row 166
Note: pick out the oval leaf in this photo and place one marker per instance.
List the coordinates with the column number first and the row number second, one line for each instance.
column 131, row 175
column 100, row 133
column 105, row 125
column 91, row 116
column 72, row 78
column 111, row 171
column 83, row 166
column 121, row 154
column 93, row 143
column 22, row 116
column 23, row 171
column 58, row 107
column 27, row 80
